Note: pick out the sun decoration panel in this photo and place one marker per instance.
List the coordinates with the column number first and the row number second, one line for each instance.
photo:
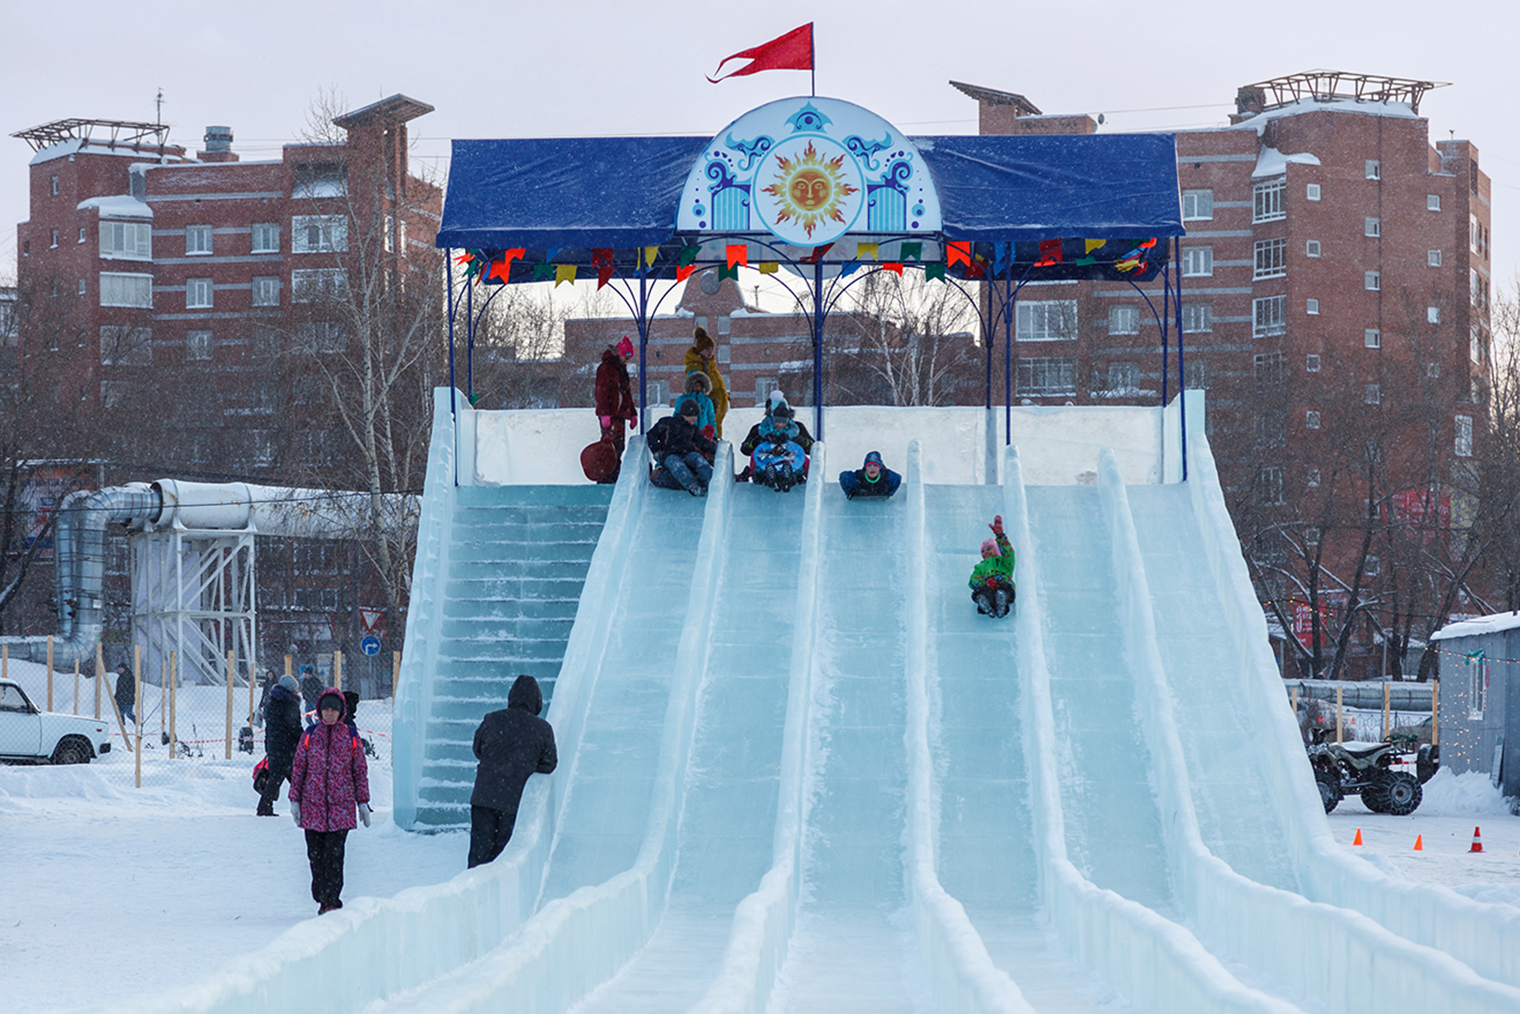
column 809, row 170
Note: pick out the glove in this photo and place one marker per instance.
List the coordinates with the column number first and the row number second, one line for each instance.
column 990, row 584
column 364, row 813
column 295, row 812
column 606, row 421
column 997, row 525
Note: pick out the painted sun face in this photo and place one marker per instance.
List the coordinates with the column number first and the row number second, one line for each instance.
column 809, row 189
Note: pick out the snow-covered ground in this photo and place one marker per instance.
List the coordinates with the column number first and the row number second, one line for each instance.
column 112, row 891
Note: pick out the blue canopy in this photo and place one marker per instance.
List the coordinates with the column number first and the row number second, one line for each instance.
column 622, row 192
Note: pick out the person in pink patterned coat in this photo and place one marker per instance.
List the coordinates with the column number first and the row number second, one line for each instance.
column 328, row 779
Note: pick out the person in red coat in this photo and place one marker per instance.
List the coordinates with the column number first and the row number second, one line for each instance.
column 614, row 394
column 328, row 778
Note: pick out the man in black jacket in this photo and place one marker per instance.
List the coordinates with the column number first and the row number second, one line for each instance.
column 282, row 732
column 683, row 450
column 510, row 745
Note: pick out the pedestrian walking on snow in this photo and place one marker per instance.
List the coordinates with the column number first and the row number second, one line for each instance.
column 282, row 733
column 511, row 745
column 126, row 693
column 614, row 394
column 328, row 779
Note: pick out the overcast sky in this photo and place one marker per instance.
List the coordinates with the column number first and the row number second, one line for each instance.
column 510, row 69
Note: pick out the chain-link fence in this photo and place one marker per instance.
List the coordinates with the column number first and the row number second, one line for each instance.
column 155, row 721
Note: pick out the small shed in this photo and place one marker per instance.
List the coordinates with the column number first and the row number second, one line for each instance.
column 1479, row 709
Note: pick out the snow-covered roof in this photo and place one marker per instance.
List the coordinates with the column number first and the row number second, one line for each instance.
column 1272, row 162
column 78, row 145
column 1260, row 120
column 117, row 206
column 1494, row 624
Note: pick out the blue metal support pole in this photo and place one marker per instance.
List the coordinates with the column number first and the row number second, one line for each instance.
column 1010, row 306
column 1166, row 316
column 818, row 348
column 448, row 265
column 469, row 343
column 643, row 341
column 1181, row 374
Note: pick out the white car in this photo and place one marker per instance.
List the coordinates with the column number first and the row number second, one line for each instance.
column 30, row 734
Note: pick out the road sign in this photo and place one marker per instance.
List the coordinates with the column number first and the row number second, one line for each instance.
column 370, row 645
column 370, row 618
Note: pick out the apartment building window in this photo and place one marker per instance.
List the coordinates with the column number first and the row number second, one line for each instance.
column 197, row 293
column 1197, row 205
column 1433, row 258
column 1197, row 261
column 1311, row 535
column 198, row 345
column 1372, row 281
column 1271, row 258
column 1311, row 307
column 1372, row 227
column 1267, row 203
column 197, row 240
column 319, row 336
column 1311, row 363
column 1311, row 478
column 126, row 346
column 1433, row 202
column 1372, row 394
column 1479, row 289
column 1311, row 419
column 1197, row 375
column 1477, row 344
column 1269, row 369
column 126, row 241
column 1433, row 371
column 316, row 180
column 81, row 234
column 266, row 290
column 1269, row 316
column 725, row 324
column 1312, row 191
column 1432, row 315
column 54, row 245
column 1464, row 442
column 1124, row 320
column 1197, row 317
column 307, row 285
column 1047, row 375
column 763, row 388
column 1311, row 248
column 1269, row 486
column 1123, row 378
column 266, row 237
column 1372, row 338
column 318, row 234
column 1373, row 169
column 53, row 185
column 121, row 289
column 1046, row 321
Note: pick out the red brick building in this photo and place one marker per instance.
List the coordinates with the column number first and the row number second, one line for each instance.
column 1335, row 291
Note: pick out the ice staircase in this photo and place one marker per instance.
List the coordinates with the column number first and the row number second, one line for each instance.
column 516, row 563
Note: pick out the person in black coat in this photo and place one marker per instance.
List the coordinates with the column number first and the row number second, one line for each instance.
column 511, row 745
column 683, row 451
column 311, row 687
column 126, row 692
column 872, row 479
column 282, row 732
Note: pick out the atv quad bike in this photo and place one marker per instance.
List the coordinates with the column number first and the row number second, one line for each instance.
column 1341, row 769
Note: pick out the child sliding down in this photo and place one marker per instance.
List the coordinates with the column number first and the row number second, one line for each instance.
column 992, row 580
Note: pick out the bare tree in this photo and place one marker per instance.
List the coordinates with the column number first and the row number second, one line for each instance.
column 909, row 340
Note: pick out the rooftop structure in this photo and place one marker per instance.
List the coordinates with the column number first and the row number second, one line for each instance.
column 1328, row 85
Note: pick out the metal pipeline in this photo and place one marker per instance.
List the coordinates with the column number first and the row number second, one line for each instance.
column 79, row 539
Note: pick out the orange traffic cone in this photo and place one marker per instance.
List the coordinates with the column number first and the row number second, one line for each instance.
column 1419, row 843
column 1358, row 839
column 1477, row 845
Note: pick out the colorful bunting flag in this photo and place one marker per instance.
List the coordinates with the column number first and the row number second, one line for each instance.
column 601, row 259
column 737, row 253
column 648, row 255
column 1089, row 245
column 848, row 268
column 543, row 272
column 1000, row 257
column 958, row 253
column 911, row 251
column 564, row 273
column 892, row 266
column 933, row 271
column 769, row 267
column 688, row 255
column 731, row 271
column 684, row 272
column 503, row 268
column 864, row 250
column 817, row 254
column 1050, row 253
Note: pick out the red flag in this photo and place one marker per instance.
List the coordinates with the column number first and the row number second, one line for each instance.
column 792, row 51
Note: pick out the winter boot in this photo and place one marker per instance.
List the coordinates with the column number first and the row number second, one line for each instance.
column 983, row 605
column 1000, row 602
column 772, row 478
column 787, row 478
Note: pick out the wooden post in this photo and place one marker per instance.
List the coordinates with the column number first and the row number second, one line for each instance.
column 1386, row 690
column 251, row 705
column 1294, row 697
column 288, row 662
column 5, row 661
column 163, row 698
column 230, row 672
column 137, row 704
column 1338, row 727
column 338, row 670
column 76, row 684
column 100, row 676
column 1435, row 712
column 395, row 671
column 50, row 672
column 173, row 704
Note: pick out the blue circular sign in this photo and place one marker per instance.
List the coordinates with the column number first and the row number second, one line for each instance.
column 370, row 645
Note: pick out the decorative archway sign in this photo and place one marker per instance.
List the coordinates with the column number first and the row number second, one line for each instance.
column 816, row 192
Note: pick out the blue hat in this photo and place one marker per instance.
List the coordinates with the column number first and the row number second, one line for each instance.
column 874, row 456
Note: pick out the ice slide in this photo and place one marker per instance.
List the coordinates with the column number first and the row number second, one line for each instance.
column 798, row 773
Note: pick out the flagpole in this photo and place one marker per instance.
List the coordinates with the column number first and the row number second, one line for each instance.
column 812, row 62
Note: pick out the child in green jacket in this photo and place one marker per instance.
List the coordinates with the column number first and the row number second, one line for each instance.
column 992, row 581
